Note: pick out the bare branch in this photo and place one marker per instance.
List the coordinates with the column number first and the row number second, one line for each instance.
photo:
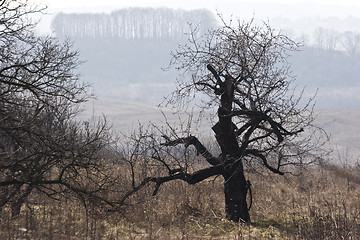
column 193, row 178
column 257, row 153
column 200, row 148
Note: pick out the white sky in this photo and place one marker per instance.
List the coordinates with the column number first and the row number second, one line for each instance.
column 183, row 3
column 264, row 9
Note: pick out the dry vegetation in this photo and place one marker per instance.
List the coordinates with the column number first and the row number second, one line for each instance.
column 322, row 203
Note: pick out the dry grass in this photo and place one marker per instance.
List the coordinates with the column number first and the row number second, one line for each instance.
column 322, row 203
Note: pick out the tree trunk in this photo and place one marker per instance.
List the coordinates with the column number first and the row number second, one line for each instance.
column 235, row 189
column 235, row 185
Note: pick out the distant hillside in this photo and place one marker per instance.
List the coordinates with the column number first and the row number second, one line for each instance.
column 125, row 52
column 333, row 74
column 130, row 70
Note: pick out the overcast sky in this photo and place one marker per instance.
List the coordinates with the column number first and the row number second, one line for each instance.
column 182, row 3
column 265, row 9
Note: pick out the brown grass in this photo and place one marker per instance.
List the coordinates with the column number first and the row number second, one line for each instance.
column 322, row 203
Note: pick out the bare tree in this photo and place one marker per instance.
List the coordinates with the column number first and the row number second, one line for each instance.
column 351, row 42
column 42, row 147
column 262, row 123
column 326, row 38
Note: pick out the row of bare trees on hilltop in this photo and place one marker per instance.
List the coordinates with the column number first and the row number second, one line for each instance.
column 133, row 23
column 165, row 23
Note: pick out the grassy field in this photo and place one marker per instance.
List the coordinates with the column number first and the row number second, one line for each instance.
column 321, row 202
column 342, row 125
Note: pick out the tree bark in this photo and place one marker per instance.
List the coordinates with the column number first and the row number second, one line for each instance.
column 235, row 184
column 235, row 189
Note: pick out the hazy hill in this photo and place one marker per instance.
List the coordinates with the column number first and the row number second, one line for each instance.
column 128, row 78
column 125, row 52
column 333, row 74
column 130, row 70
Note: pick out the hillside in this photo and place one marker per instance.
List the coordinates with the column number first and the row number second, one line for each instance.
column 126, row 51
column 333, row 74
column 127, row 70
column 128, row 77
column 127, row 74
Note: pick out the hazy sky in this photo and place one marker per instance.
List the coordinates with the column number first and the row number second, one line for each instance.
column 183, row 3
column 264, row 9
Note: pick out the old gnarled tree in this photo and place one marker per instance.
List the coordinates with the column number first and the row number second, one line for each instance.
column 261, row 123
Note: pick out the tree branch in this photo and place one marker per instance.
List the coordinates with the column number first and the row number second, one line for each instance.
column 278, row 130
column 256, row 153
column 193, row 178
column 200, row 148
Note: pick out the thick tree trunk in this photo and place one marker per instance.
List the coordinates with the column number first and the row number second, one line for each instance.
column 235, row 189
column 235, row 185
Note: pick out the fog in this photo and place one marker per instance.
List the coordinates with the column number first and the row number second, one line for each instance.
column 125, row 52
column 262, row 9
